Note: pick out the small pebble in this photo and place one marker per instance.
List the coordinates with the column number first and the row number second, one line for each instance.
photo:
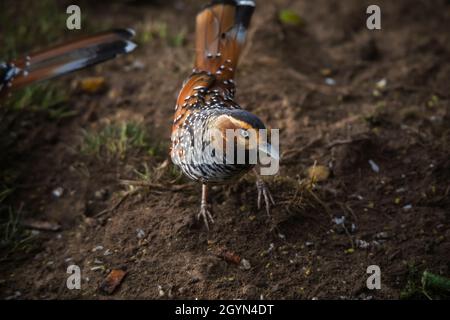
column 97, row 248
column 245, row 264
column 374, row 166
column 407, row 207
column 136, row 65
column 338, row 220
column 381, row 84
column 362, row 244
column 382, row 235
column 58, row 192
column 101, row 194
column 330, row 81
column 140, row 234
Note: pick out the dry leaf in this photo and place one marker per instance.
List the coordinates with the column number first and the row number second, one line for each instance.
column 318, row 173
column 41, row 225
column 112, row 281
column 92, row 84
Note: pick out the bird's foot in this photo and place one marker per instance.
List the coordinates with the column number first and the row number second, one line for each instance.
column 263, row 191
column 205, row 214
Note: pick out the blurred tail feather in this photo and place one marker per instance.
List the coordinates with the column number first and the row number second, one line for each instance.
column 68, row 57
column 221, row 30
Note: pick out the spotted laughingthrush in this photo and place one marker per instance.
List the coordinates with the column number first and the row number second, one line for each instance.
column 206, row 109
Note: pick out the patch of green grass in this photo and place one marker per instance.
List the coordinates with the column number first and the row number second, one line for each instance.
column 290, row 17
column 44, row 97
column 10, row 229
column 4, row 193
column 165, row 171
column 175, row 174
column 433, row 101
column 143, row 37
column 13, row 236
column 379, row 116
column 415, row 287
column 160, row 30
column 28, row 25
column 146, row 174
column 8, row 179
column 148, row 32
column 179, row 39
column 117, row 140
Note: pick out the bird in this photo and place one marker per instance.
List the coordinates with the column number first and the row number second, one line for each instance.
column 206, row 106
column 64, row 58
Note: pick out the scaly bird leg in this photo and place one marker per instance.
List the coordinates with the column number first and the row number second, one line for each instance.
column 204, row 208
column 263, row 190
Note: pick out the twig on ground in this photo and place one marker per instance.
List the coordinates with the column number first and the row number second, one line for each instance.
column 160, row 186
column 295, row 151
column 324, row 205
column 118, row 203
column 346, row 141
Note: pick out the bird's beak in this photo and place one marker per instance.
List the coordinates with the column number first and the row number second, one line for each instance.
column 269, row 150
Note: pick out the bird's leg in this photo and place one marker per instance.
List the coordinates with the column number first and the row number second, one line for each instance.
column 263, row 191
column 204, row 208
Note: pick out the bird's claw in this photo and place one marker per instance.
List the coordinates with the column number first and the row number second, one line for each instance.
column 263, row 190
column 205, row 214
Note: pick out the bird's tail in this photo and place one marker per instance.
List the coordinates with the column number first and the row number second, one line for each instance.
column 221, row 30
column 66, row 58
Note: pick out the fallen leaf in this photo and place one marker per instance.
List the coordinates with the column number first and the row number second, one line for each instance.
column 112, row 281
column 92, row 84
column 290, row 17
column 326, row 72
column 318, row 173
column 229, row 256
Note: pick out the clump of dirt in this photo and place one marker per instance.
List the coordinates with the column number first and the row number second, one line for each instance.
column 372, row 106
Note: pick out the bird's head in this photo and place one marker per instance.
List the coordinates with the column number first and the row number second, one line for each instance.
column 243, row 129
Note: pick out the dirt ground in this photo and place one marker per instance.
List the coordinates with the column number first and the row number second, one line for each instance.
column 372, row 106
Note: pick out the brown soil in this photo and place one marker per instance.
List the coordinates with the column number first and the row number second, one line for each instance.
column 401, row 212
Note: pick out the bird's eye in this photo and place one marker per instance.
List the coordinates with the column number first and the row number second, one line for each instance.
column 244, row 133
